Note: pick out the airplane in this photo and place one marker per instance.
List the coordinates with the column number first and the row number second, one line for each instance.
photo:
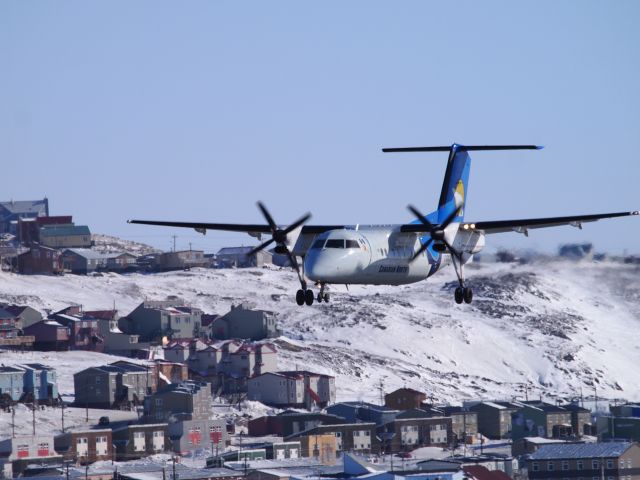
column 392, row 254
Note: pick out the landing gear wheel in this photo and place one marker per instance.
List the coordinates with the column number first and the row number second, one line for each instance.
column 308, row 297
column 459, row 295
column 467, row 295
column 319, row 298
column 326, row 298
column 300, row 297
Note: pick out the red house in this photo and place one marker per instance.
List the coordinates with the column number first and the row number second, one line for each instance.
column 40, row 260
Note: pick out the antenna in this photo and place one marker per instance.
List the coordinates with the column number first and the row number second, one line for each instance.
column 174, row 241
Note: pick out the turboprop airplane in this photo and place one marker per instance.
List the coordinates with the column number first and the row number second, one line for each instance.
column 392, row 254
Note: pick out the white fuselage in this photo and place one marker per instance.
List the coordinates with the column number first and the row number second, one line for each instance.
column 381, row 255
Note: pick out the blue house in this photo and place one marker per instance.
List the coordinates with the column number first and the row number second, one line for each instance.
column 40, row 381
column 11, row 383
column 363, row 412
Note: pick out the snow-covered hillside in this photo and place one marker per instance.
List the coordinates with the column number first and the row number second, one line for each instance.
column 109, row 244
column 549, row 327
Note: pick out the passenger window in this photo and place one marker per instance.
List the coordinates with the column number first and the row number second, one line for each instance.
column 335, row 244
column 318, row 244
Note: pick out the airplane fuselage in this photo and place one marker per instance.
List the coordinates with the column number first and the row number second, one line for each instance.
column 381, row 255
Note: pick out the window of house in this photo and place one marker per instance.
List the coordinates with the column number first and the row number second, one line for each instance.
column 595, row 464
column 579, row 465
column 565, row 465
column 98, row 380
column 550, row 466
column 621, row 463
column 609, row 463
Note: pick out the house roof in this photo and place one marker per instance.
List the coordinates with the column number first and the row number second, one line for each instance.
column 295, row 374
column 480, row 472
column 581, row 450
column 64, row 231
column 4, row 369
column 234, row 250
column 89, row 254
column 407, row 390
column 39, row 207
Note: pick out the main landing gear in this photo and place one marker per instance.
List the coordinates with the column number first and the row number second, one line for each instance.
column 461, row 293
column 305, row 295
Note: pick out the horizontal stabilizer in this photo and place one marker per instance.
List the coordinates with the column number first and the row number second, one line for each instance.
column 463, row 148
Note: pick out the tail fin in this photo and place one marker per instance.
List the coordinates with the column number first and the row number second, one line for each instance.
column 456, row 178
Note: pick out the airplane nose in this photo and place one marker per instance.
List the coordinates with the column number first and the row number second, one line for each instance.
column 319, row 269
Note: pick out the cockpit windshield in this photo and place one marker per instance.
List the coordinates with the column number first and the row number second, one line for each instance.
column 336, row 243
column 318, row 244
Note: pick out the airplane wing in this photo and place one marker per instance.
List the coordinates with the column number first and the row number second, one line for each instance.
column 522, row 225
column 250, row 228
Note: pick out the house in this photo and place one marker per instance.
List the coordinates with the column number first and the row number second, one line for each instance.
column 354, row 412
column 11, row 384
column 154, row 320
column 40, row 260
column 83, row 331
column 581, row 422
column 406, row 434
column 464, row 422
column 12, row 210
column 121, row 262
column 65, row 236
column 8, row 325
column 48, row 335
column 11, row 332
column 350, row 437
column 298, row 389
column 200, row 433
column 238, row 257
column 244, row 322
column 28, row 229
column 24, row 314
column 322, row 447
column 83, row 260
column 140, row 440
column 621, row 428
column 21, row 451
column 180, row 260
column 40, row 382
column 290, row 422
column 227, row 364
column 494, row 418
column 167, row 373
column 404, row 399
column 115, row 385
column 114, row 340
column 610, row 460
column 540, row 419
column 188, row 399
column 85, row 446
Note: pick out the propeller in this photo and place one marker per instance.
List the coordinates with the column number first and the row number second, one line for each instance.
column 436, row 232
column 279, row 237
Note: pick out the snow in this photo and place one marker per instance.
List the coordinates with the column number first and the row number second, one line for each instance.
column 547, row 329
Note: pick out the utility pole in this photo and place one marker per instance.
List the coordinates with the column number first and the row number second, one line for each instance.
column 62, row 410
column 86, row 400
column 381, row 387
column 174, row 241
column 173, row 457
column 13, row 422
column 33, row 420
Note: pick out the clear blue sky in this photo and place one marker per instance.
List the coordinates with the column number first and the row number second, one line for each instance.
column 195, row 110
